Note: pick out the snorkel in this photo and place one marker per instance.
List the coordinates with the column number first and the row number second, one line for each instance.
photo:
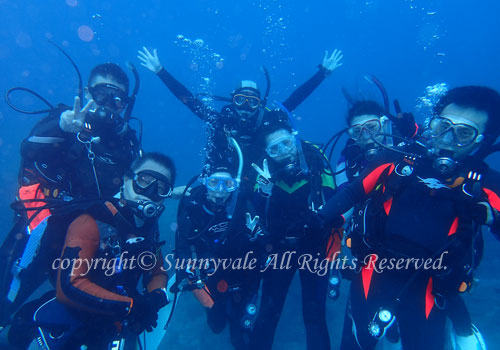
column 234, row 199
column 384, row 120
column 264, row 100
column 131, row 99
column 302, row 159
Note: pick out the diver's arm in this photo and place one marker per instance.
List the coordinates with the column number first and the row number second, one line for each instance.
column 152, row 62
column 73, row 284
column 46, row 140
column 355, row 192
column 491, row 189
column 158, row 275
column 329, row 64
column 196, row 106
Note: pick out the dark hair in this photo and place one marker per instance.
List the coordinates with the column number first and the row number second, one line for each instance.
column 480, row 98
column 364, row 107
column 109, row 70
column 273, row 121
column 158, row 158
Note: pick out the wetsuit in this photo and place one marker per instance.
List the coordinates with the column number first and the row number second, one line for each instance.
column 60, row 165
column 225, row 122
column 63, row 161
column 411, row 212
column 286, row 214
column 100, row 290
column 205, row 232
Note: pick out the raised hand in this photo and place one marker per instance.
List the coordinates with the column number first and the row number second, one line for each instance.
column 330, row 63
column 73, row 120
column 252, row 225
column 148, row 60
column 264, row 178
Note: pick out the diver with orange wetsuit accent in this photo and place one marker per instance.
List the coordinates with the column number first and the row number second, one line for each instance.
column 97, row 296
column 73, row 155
column 424, row 201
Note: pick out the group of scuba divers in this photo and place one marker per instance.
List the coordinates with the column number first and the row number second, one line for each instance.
column 401, row 193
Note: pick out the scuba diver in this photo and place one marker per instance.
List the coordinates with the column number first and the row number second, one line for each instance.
column 424, row 201
column 245, row 113
column 367, row 127
column 70, row 156
column 84, row 151
column 290, row 187
column 97, row 302
column 364, row 119
column 214, row 223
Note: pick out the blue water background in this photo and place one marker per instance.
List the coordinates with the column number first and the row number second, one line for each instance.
column 407, row 44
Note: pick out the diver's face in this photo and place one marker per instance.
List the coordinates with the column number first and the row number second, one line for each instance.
column 281, row 146
column 219, row 186
column 148, row 174
column 107, row 92
column 362, row 128
column 458, row 130
column 246, row 103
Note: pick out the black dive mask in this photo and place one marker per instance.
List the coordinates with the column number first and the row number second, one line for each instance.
column 111, row 100
column 151, row 184
column 110, row 96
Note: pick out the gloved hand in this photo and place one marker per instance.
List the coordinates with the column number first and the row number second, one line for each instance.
column 404, row 122
column 150, row 61
column 264, row 179
column 144, row 313
column 179, row 191
column 333, row 62
column 253, row 226
column 72, row 121
column 476, row 206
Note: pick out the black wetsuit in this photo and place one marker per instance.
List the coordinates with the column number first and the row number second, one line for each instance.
column 62, row 160
column 205, row 232
column 226, row 122
column 287, row 213
column 419, row 215
column 62, row 164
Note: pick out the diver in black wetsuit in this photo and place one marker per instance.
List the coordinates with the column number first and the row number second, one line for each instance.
column 244, row 115
column 79, row 153
column 210, row 227
column 423, row 203
column 290, row 187
column 365, row 119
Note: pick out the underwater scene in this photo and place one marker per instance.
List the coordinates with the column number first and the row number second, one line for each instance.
column 260, row 174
